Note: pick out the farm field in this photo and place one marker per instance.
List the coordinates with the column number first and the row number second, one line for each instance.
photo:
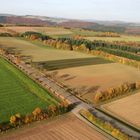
column 66, row 127
column 3, row 30
column 122, row 38
column 86, row 80
column 18, row 93
column 62, row 32
column 32, row 50
column 84, row 73
column 44, row 30
column 127, row 109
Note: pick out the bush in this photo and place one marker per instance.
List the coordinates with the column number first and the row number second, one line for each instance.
column 6, row 35
column 35, row 35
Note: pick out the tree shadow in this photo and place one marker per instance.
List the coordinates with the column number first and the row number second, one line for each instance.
column 83, row 90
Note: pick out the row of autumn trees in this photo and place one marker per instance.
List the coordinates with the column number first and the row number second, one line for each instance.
column 132, row 47
column 129, row 52
column 38, row 114
column 113, row 92
column 125, row 55
column 117, row 51
column 106, row 126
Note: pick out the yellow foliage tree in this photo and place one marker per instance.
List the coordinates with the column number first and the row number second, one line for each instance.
column 13, row 119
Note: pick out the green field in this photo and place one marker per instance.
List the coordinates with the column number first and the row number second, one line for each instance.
column 126, row 38
column 18, row 93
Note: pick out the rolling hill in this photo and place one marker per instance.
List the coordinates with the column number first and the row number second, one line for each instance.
column 105, row 26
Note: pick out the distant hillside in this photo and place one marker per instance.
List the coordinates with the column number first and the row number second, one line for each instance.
column 133, row 30
column 22, row 20
column 77, row 24
column 104, row 26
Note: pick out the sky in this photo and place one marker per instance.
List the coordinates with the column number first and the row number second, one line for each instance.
column 123, row 10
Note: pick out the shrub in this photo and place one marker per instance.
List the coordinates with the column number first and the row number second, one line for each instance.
column 6, row 35
column 35, row 35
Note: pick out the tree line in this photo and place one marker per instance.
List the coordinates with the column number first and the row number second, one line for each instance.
column 35, row 35
column 115, row 51
column 37, row 114
column 106, row 126
column 91, row 45
column 114, row 92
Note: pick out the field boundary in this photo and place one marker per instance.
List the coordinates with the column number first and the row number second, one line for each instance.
column 100, row 109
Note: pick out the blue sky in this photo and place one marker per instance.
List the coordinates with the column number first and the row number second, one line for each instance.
column 125, row 10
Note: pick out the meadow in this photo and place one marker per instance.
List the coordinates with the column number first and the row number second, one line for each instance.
column 130, row 109
column 19, row 94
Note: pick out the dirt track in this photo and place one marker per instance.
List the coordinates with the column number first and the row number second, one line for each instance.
column 66, row 127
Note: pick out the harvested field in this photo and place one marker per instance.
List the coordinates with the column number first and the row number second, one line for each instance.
column 20, row 29
column 5, row 30
column 44, row 30
column 54, row 30
column 88, row 79
column 34, row 51
column 122, row 38
column 127, row 109
column 66, row 127
column 18, row 93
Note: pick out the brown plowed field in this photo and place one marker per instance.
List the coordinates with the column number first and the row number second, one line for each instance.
column 127, row 108
column 67, row 127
